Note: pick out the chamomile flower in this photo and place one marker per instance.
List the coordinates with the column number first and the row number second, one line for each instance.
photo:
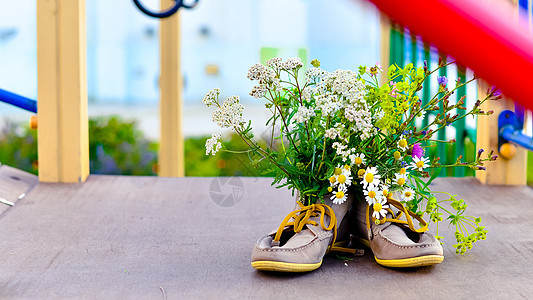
column 344, row 179
column 408, row 194
column 384, row 190
column 372, row 195
column 380, row 209
column 400, row 179
column 371, row 177
column 419, row 163
column 403, row 171
column 339, row 197
column 402, row 143
column 358, row 159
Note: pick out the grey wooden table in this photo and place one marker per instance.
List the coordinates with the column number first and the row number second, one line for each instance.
column 118, row 237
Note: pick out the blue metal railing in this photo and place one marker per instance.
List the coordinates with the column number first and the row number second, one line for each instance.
column 18, row 101
column 510, row 125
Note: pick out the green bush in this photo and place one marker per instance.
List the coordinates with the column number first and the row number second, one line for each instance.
column 223, row 163
column 117, row 146
column 18, row 146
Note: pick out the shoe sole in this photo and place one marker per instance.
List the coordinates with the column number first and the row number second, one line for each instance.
column 277, row 266
column 420, row 261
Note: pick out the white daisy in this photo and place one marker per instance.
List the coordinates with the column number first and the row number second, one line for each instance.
column 408, row 194
column 371, row 177
column 339, row 197
column 372, row 195
column 342, row 173
column 345, row 179
column 384, row 190
column 400, row 179
column 358, row 159
column 380, row 209
column 419, row 163
column 402, row 143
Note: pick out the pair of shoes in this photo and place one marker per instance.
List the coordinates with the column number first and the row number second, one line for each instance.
column 395, row 242
column 304, row 237
column 309, row 232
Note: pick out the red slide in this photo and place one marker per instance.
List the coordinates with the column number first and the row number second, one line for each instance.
column 487, row 39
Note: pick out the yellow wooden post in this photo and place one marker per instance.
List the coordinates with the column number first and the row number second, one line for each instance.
column 385, row 46
column 501, row 171
column 171, row 152
column 63, row 144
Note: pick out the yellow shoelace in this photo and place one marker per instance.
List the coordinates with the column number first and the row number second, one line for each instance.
column 302, row 217
column 396, row 218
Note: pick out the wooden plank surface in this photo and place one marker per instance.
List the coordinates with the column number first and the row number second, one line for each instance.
column 14, row 185
column 133, row 237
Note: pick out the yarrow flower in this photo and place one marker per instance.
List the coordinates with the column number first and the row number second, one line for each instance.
column 419, row 163
column 229, row 114
column 258, row 91
column 292, row 63
column 304, row 114
column 211, row 97
column 275, row 63
column 212, row 145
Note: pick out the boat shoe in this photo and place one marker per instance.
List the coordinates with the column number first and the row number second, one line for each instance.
column 395, row 242
column 304, row 237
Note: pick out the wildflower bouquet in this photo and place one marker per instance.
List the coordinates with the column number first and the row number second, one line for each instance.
column 341, row 132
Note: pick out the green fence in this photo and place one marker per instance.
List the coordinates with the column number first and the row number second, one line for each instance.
column 406, row 48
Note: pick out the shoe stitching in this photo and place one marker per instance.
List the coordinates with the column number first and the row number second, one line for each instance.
column 407, row 247
column 314, row 241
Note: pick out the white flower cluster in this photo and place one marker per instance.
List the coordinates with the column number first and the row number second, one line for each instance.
column 312, row 74
column 267, row 79
column 258, row 91
column 344, row 152
column 261, row 73
column 229, row 114
column 303, row 114
column 212, row 145
column 275, row 63
column 337, row 131
column 292, row 63
column 362, row 118
column 211, row 97
column 345, row 83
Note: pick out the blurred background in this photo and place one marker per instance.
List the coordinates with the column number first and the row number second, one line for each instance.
column 220, row 40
